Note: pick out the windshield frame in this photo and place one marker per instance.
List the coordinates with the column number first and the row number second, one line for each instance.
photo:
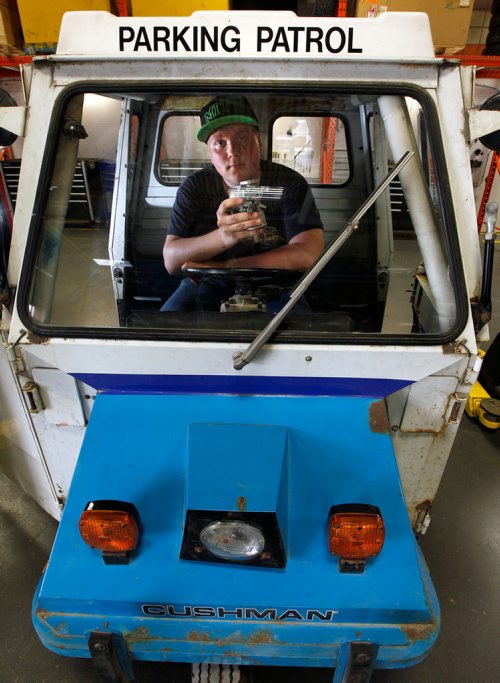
column 450, row 235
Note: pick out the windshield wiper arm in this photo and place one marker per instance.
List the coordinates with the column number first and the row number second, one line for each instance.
column 242, row 358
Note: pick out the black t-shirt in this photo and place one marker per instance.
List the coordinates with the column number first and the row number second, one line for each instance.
column 200, row 195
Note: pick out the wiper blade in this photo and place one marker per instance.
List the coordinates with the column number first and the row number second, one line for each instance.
column 242, row 358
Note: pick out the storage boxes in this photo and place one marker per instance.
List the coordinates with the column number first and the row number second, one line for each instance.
column 41, row 21
column 478, row 32
column 11, row 36
column 449, row 19
column 174, row 8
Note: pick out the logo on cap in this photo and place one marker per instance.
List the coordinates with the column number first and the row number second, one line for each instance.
column 223, row 111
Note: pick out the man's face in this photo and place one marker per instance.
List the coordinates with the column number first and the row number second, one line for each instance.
column 235, row 152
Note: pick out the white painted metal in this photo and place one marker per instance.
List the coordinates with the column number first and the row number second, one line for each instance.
column 157, row 358
column 482, row 122
column 42, row 92
column 422, row 449
column 21, row 455
column 426, row 404
column 13, row 119
column 453, row 124
column 401, row 139
column 61, row 398
column 117, row 220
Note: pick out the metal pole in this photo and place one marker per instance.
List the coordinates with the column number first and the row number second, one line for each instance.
column 242, row 358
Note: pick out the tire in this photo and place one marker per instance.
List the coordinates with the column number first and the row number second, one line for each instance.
column 494, row 24
column 220, row 673
column 491, row 51
column 493, row 44
column 493, row 36
column 6, row 137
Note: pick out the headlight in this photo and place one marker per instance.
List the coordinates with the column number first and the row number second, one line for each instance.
column 233, row 540
column 229, row 537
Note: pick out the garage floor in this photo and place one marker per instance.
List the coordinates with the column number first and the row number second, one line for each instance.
column 462, row 548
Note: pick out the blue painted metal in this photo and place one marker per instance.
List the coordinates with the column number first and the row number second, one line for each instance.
column 242, row 384
column 240, row 461
column 139, row 448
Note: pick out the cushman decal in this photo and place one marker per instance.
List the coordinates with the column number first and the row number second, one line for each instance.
column 245, row 613
column 216, row 39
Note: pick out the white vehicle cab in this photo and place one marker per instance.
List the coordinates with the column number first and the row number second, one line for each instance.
column 242, row 483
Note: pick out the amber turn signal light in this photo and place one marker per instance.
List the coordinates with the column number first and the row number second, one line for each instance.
column 355, row 531
column 110, row 526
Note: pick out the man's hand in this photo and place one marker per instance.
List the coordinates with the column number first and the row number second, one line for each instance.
column 232, row 228
column 237, row 226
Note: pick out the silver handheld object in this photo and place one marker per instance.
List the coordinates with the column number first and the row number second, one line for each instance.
column 252, row 195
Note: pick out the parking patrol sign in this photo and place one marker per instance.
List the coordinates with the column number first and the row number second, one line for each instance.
column 246, row 34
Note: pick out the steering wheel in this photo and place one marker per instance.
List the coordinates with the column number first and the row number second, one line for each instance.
column 246, row 279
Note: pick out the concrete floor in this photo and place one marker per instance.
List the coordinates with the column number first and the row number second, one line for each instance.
column 462, row 549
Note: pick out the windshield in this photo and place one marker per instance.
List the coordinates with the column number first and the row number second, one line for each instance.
column 193, row 216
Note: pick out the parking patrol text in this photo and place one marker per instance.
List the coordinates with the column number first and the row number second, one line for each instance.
column 215, row 39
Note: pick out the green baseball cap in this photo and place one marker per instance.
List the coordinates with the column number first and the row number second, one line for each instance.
column 223, row 111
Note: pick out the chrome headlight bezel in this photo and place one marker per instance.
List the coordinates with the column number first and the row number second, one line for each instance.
column 233, row 539
column 265, row 523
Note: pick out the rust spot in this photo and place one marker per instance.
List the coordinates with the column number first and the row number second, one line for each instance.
column 379, row 422
column 235, row 653
column 241, row 503
column 261, row 637
column 37, row 339
column 197, row 637
column 452, row 347
column 424, row 505
column 416, row 632
column 140, row 633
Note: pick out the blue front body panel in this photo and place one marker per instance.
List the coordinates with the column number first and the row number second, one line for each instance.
column 137, row 449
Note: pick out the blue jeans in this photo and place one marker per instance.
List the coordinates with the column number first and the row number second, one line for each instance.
column 182, row 299
column 208, row 295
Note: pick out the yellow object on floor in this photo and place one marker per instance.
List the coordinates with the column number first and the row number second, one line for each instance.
column 481, row 405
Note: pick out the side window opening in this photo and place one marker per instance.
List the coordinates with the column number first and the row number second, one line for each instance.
column 100, row 266
column 180, row 153
column 315, row 146
column 76, row 218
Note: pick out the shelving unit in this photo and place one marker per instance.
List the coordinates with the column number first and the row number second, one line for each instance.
column 487, row 66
